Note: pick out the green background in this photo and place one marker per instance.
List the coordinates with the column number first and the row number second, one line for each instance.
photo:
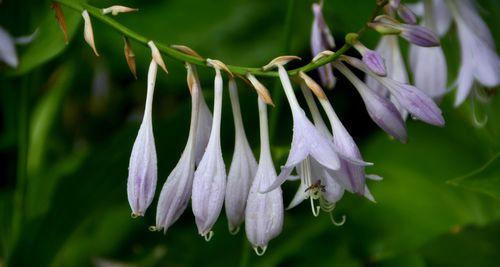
column 438, row 204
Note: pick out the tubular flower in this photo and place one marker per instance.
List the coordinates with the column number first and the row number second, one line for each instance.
column 176, row 191
column 242, row 170
column 381, row 110
column 414, row 34
column 321, row 40
column 413, row 100
column 479, row 61
column 142, row 172
column 209, row 182
column 430, row 78
column 264, row 211
column 306, row 139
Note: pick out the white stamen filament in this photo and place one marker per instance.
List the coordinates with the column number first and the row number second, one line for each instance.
column 261, row 251
column 208, row 236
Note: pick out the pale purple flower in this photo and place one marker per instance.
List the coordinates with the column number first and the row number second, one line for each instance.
column 372, row 59
column 413, row 100
column 430, row 78
column 414, row 34
column 306, row 139
column 479, row 61
column 406, row 14
column 142, row 170
column 242, row 170
column 209, row 182
column 381, row 109
column 440, row 14
column 176, row 191
column 8, row 52
column 388, row 48
column 321, row 40
column 264, row 211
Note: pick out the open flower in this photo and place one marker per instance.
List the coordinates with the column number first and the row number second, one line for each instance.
column 142, row 170
column 176, row 191
column 242, row 170
column 381, row 109
column 321, row 40
column 264, row 211
column 479, row 61
column 431, row 78
column 413, row 100
column 306, row 139
column 209, row 182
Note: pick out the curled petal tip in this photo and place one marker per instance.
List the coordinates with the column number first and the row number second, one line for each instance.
column 312, row 85
column 322, row 54
column 279, row 61
column 217, row 64
column 261, row 89
column 186, row 50
column 155, row 53
column 88, row 32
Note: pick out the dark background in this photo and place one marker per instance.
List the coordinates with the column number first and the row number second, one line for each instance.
column 72, row 118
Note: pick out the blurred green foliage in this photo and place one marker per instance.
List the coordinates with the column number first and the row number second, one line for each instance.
column 438, row 204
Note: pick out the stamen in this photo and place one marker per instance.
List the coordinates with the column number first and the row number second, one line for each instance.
column 315, row 209
column 234, row 231
column 208, row 236
column 261, row 252
column 134, row 215
column 335, row 222
column 479, row 123
column 153, row 228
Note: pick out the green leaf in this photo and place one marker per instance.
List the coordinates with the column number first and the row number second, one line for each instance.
column 49, row 41
column 485, row 179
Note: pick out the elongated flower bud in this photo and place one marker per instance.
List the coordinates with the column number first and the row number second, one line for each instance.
column 242, row 170
column 406, row 14
column 210, row 178
column 322, row 39
column 177, row 189
column 380, row 109
column 142, row 172
column 88, row 32
column 414, row 34
column 264, row 211
column 372, row 59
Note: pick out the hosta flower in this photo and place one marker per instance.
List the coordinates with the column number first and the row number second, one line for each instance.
column 413, row 100
column 306, row 139
column 430, row 78
column 142, row 172
column 372, row 59
column 264, row 211
column 381, row 109
column 414, row 34
column 176, row 191
column 209, row 182
column 322, row 39
column 242, row 170
column 479, row 61
column 389, row 49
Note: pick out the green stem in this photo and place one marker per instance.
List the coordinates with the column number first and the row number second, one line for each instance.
column 175, row 54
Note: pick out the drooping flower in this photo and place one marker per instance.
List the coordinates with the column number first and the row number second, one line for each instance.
column 430, row 78
column 322, row 39
column 306, row 139
column 142, row 170
column 413, row 100
column 209, row 182
column 414, row 34
column 242, row 170
column 381, row 109
column 264, row 211
column 479, row 60
column 88, row 32
column 388, row 48
column 176, row 191
column 372, row 59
